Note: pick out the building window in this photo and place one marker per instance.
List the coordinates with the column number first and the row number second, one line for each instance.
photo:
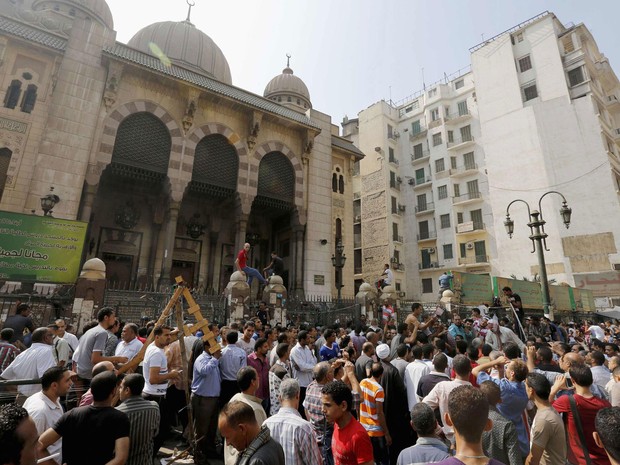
column 419, row 176
column 396, row 256
column 442, row 192
column 470, row 161
column 444, row 220
column 393, row 179
column 334, row 182
column 459, row 218
column 460, row 83
column 394, row 205
column 463, row 250
column 575, row 76
column 416, row 127
column 462, row 106
column 427, row 286
column 12, row 94
column 529, row 92
column 567, row 42
column 519, row 36
column 434, row 114
column 450, row 137
column 390, row 131
column 391, row 157
column 30, row 98
column 418, row 151
column 288, row 99
column 448, row 253
column 436, row 139
column 395, row 232
column 525, row 63
column 453, row 163
column 457, row 190
column 341, row 184
column 466, row 133
column 472, row 189
column 440, row 165
column 476, row 218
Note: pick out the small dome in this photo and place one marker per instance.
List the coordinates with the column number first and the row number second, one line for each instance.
column 289, row 90
column 185, row 45
column 93, row 269
column 98, row 9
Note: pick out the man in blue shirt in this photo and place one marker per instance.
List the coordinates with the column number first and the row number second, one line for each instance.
column 233, row 359
column 330, row 350
column 205, row 395
column 428, row 448
column 456, row 328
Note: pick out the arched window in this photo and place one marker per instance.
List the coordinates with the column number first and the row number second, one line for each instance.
column 5, row 160
column 338, row 229
column 335, row 182
column 12, row 94
column 341, row 184
column 288, row 99
column 30, row 98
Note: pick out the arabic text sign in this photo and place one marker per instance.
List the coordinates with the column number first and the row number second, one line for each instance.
column 602, row 284
column 530, row 293
column 40, row 248
column 560, row 298
column 475, row 289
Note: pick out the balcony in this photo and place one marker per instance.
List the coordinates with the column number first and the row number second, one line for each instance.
column 469, row 197
column 417, row 134
column 425, row 208
column 427, row 236
column 395, row 210
column 616, row 134
column 393, row 161
column 422, row 182
column 460, row 143
column 457, row 118
column 474, row 260
column 420, row 158
column 399, row 267
column 469, row 227
column 428, row 266
column 397, row 238
column 613, row 102
column 464, row 170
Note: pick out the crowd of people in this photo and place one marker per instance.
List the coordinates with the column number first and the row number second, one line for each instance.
column 438, row 387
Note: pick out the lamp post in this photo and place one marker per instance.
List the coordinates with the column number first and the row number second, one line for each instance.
column 338, row 261
column 539, row 239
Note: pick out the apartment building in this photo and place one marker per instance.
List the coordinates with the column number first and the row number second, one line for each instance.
column 538, row 110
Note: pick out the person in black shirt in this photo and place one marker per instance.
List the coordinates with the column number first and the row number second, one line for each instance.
column 97, row 434
column 18, row 322
column 515, row 300
column 276, row 267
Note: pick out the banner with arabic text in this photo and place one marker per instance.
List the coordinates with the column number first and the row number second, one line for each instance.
column 472, row 289
column 530, row 293
column 40, row 249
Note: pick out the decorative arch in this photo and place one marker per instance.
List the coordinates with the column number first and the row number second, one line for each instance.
column 275, row 146
column 110, row 130
column 233, row 138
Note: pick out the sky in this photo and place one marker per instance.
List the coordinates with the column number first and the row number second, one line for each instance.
column 353, row 53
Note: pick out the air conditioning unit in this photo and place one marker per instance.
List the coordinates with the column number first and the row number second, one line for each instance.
column 401, row 207
column 399, row 179
column 469, row 246
column 411, row 182
column 616, row 267
column 401, row 294
column 396, row 134
column 431, row 250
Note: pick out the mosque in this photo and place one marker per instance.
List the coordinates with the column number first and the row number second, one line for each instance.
column 171, row 165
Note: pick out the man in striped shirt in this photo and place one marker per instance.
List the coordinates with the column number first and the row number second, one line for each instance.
column 295, row 435
column 371, row 414
column 8, row 351
column 143, row 419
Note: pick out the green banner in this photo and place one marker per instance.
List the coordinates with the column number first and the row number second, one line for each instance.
column 40, row 249
column 530, row 293
column 587, row 300
column 560, row 298
column 472, row 289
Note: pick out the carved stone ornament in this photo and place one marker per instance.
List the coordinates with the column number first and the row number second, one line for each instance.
column 127, row 216
column 257, row 118
column 111, row 85
column 188, row 118
column 308, row 142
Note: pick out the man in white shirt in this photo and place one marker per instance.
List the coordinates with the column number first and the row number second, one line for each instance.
column 32, row 363
column 246, row 342
column 387, row 276
column 130, row 345
column 498, row 336
column 156, row 377
column 413, row 373
column 438, row 397
column 595, row 331
column 44, row 407
column 66, row 335
column 60, row 347
column 302, row 360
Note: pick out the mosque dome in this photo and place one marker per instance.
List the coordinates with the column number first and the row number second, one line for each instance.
column 97, row 9
column 289, row 90
column 186, row 46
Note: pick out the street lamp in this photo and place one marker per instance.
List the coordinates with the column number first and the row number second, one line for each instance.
column 338, row 261
column 539, row 239
column 48, row 202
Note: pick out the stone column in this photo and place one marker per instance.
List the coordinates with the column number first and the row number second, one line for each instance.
column 89, row 194
column 170, row 230
column 299, row 257
column 241, row 226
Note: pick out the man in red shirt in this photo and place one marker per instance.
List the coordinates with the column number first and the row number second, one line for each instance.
column 241, row 264
column 587, row 406
column 350, row 443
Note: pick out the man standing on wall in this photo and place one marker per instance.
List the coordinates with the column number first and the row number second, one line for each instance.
column 242, row 265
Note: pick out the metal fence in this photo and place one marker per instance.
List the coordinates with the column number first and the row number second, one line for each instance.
column 47, row 305
column 322, row 310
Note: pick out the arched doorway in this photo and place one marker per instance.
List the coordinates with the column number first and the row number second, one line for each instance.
column 269, row 226
column 131, row 200
column 208, row 214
